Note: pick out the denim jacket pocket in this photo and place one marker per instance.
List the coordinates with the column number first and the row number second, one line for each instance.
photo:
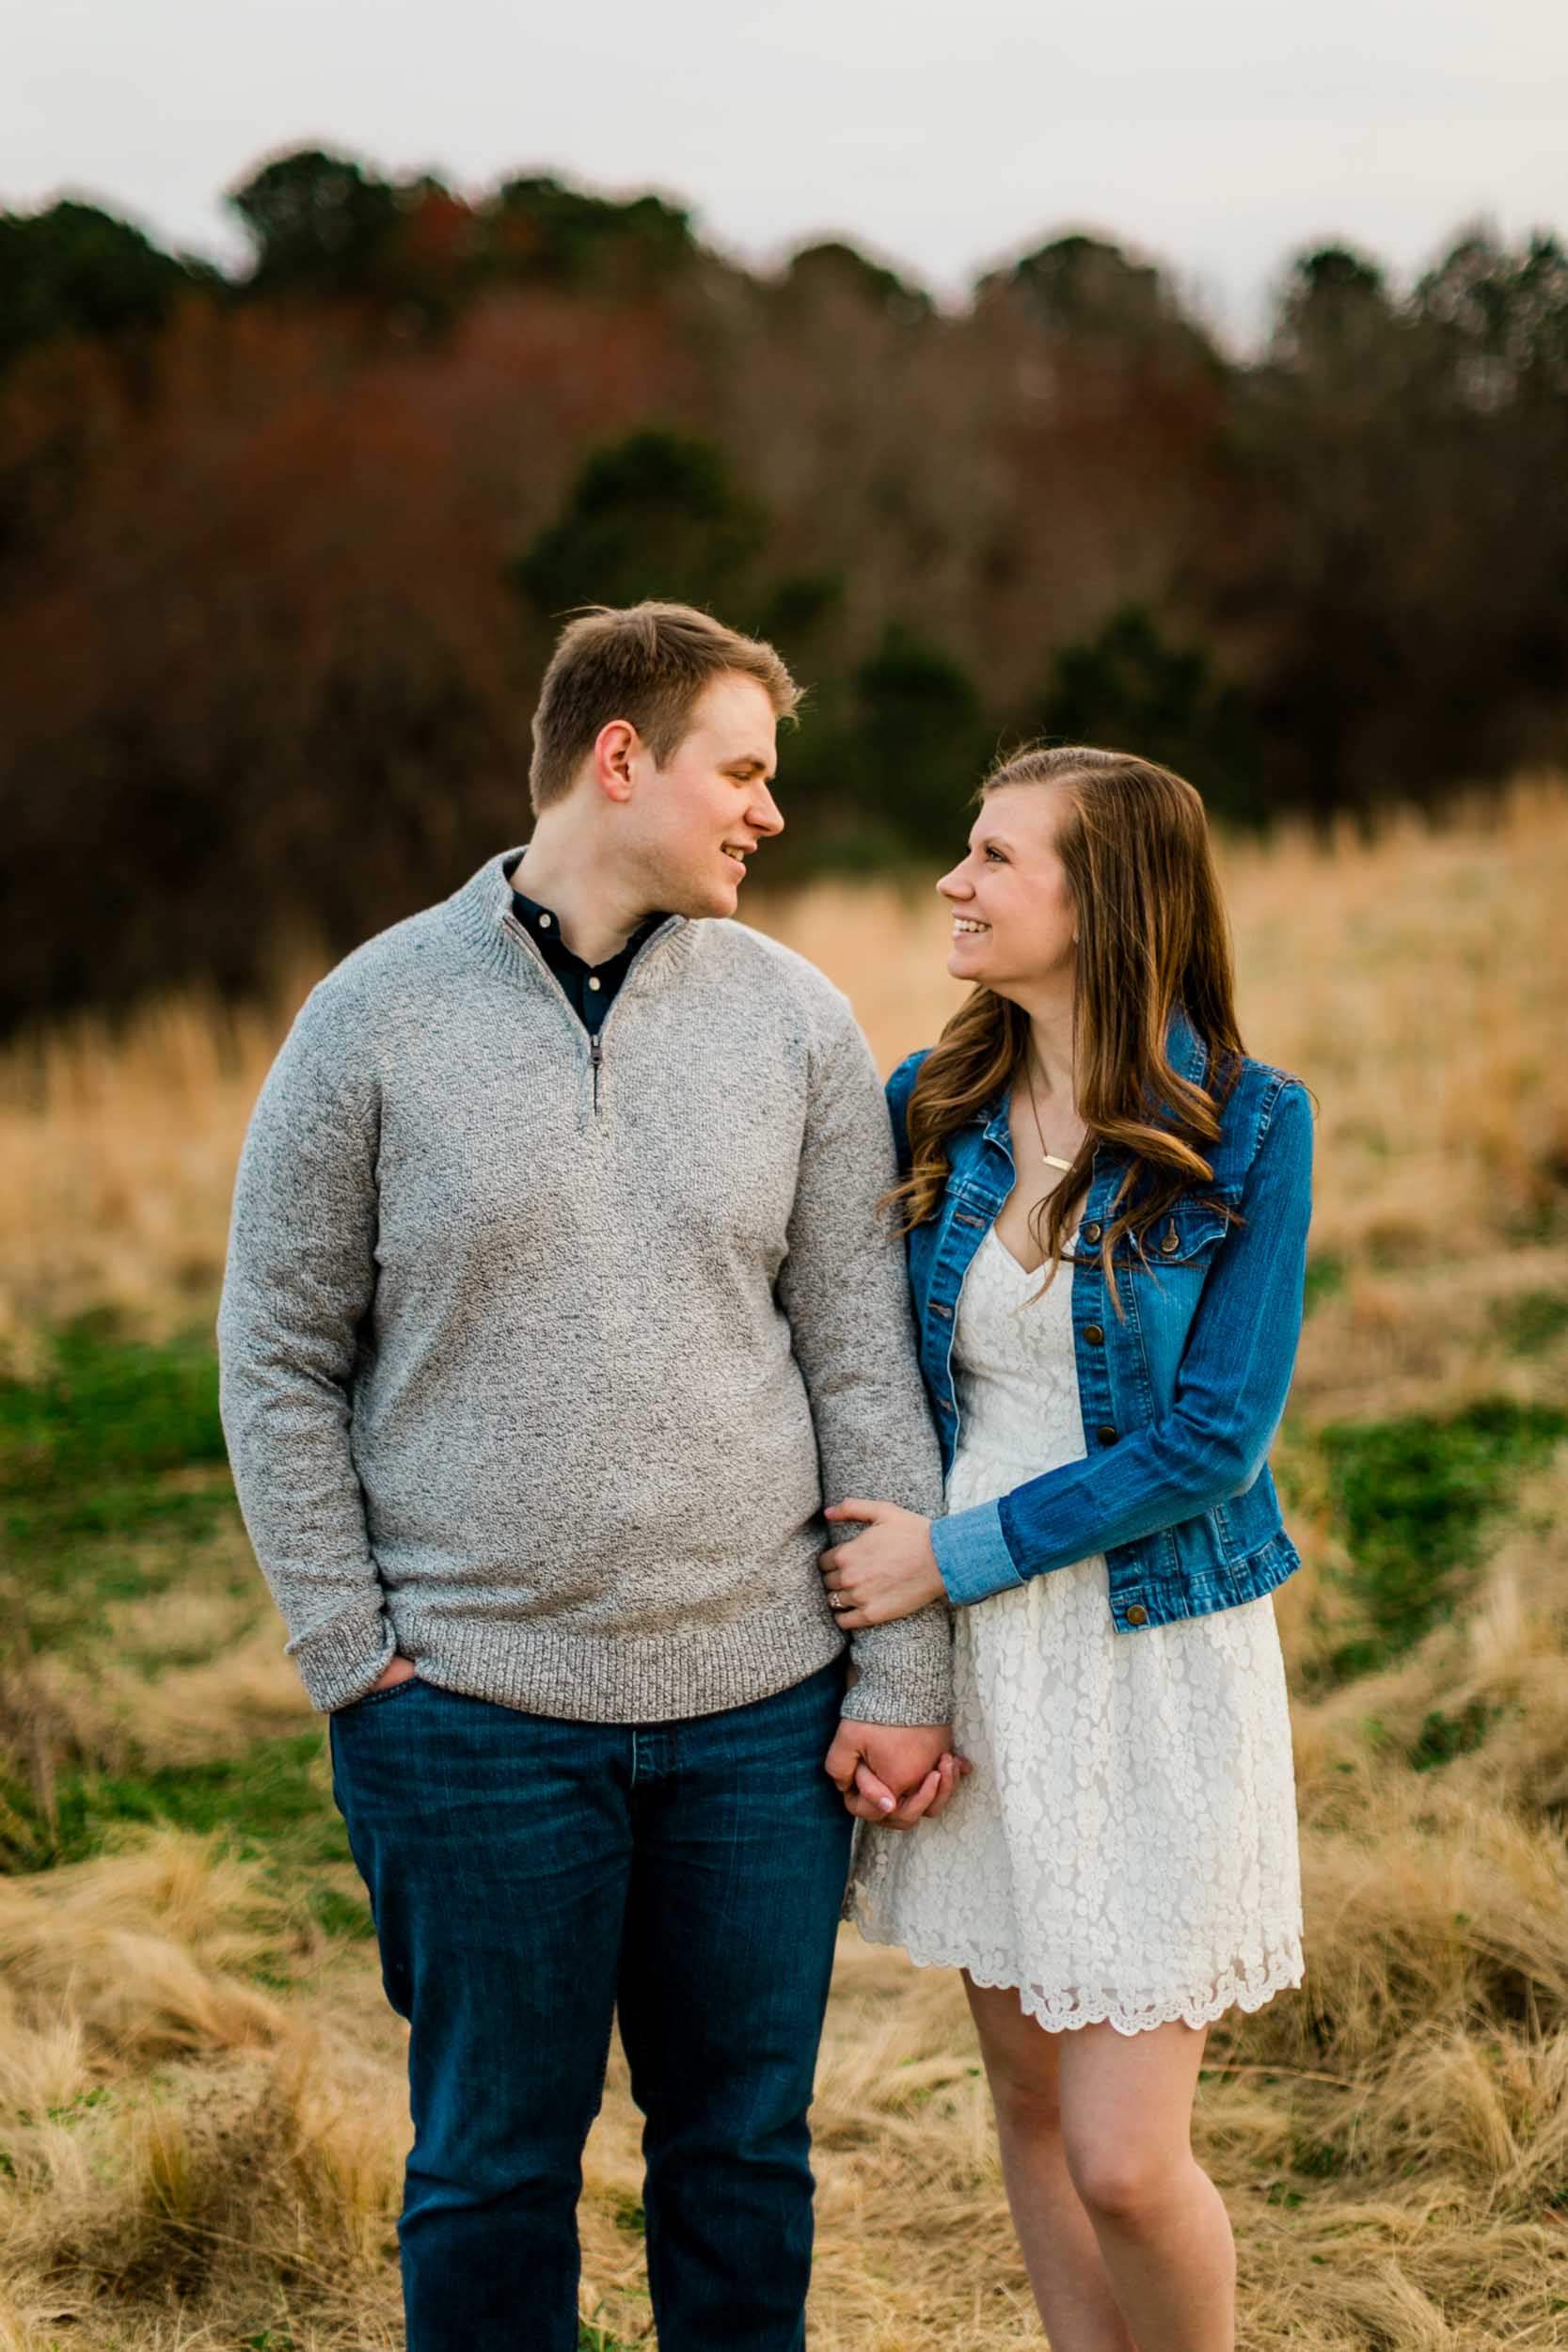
column 1189, row 1233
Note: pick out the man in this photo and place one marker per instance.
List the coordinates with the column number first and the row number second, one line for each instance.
column 556, row 1307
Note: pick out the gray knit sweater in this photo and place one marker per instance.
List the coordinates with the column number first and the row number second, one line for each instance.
column 539, row 1361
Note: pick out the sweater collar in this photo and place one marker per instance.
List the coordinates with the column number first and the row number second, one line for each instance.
column 481, row 911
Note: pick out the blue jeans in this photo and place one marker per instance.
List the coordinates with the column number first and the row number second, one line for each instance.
column 529, row 1879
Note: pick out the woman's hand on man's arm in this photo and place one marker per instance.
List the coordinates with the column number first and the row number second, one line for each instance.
column 889, row 1572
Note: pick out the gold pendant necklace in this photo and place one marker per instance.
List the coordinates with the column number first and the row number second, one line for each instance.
column 1051, row 1159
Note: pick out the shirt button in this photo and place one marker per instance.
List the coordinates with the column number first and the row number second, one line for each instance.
column 1137, row 1615
column 544, row 922
column 1106, row 1434
column 1091, row 1233
column 592, row 982
column 1094, row 1335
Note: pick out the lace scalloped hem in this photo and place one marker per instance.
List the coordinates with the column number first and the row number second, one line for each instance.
column 1282, row 1974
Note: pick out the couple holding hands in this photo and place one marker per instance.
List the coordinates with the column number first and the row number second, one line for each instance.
column 576, row 1266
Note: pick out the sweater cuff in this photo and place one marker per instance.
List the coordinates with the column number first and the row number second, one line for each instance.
column 345, row 1657
column 973, row 1556
column 904, row 1672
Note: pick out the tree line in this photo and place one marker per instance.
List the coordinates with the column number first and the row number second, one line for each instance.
column 282, row 551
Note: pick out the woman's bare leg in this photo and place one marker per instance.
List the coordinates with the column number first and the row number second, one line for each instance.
column 1125, row 2238
column 1061, row 2251
column 1161, row 2225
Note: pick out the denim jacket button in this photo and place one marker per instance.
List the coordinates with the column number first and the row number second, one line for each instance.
column 1094, row 1335
column 1091, row 1234
column 1106, row 1434
column 1137, row 1615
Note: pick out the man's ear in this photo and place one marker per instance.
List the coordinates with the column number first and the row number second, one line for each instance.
column 615, row 746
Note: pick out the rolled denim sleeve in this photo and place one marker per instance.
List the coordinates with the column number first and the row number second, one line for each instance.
column 1229, row 1400
column 973, row 1555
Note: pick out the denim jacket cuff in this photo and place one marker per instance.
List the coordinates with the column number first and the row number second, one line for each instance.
column 973, row 1556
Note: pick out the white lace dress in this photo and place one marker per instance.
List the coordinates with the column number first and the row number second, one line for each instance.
column 1124, row 1850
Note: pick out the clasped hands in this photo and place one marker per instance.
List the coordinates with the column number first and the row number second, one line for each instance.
column 895, row 1774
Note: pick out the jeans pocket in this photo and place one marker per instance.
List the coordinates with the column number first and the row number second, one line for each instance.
column 372, row 1698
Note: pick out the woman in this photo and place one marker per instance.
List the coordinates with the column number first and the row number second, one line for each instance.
column 1107, row 1206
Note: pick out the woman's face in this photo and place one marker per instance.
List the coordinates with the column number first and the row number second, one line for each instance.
column 1014, row 923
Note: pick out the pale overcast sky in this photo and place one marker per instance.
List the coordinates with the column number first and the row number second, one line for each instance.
column 1219, row 135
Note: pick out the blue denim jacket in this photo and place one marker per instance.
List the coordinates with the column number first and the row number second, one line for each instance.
column 1180, row 1400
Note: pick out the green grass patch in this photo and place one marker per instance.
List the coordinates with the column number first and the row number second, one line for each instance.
column 112, row 1469
column 60, row 1589
column 344, row 1917
column 113, row 1486
column 1414, row 1498
column 1319, row 2160
column 68, row 2111
column 1444, row 1735
column 1325, row 1277
column 109, row 1413
column 270, row 1802
column 1531, row 1322
column 628, row 2215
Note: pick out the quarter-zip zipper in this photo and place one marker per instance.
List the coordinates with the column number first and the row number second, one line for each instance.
column 594, row 1040
column 597, row 1038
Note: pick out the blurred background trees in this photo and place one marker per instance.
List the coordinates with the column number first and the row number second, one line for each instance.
column 281, row 555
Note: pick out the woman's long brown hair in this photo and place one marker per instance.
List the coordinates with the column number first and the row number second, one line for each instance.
column 1152, row 936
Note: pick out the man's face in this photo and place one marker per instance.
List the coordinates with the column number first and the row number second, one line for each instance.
column 697, row 820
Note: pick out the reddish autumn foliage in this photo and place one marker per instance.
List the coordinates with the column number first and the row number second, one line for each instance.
column 280, row 560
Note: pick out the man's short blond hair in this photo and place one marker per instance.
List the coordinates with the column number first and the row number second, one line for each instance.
column 645, row 663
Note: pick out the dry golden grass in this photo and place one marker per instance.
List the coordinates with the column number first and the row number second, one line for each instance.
column 191, row 2157
column 1416, row 982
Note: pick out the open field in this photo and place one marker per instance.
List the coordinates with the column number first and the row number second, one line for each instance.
column 202, row 2110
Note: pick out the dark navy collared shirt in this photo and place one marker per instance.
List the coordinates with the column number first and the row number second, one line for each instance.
column 590, row 988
